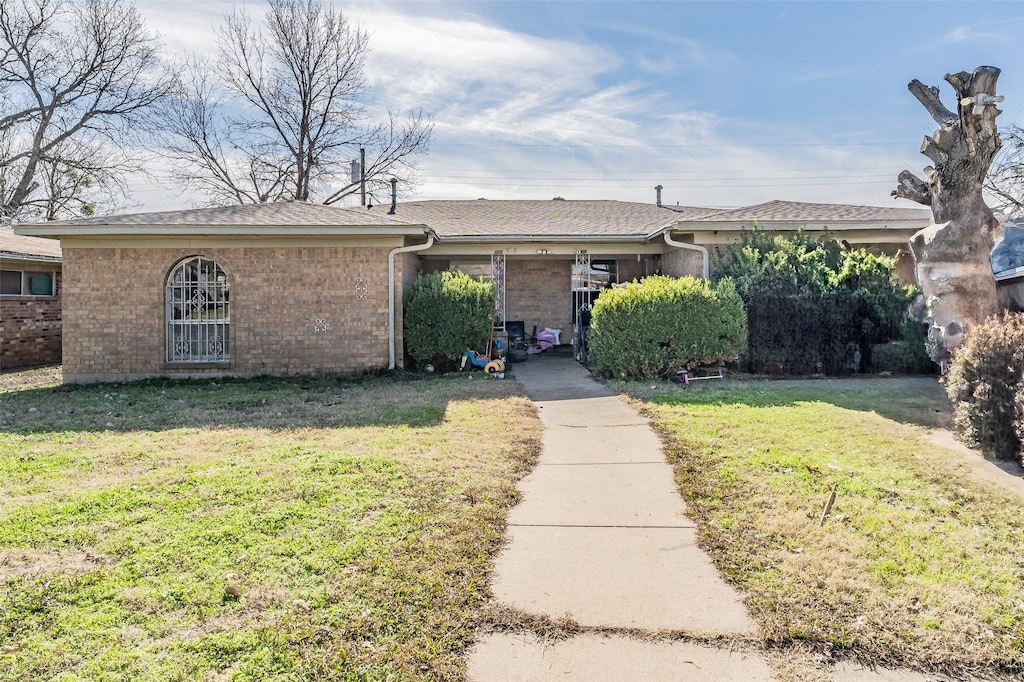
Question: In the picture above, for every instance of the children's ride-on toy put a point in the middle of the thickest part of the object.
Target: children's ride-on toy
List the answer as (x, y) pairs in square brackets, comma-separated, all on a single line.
[(493, 366)]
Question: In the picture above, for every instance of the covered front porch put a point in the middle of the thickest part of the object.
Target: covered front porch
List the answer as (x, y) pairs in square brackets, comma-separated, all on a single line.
[(549, 284)]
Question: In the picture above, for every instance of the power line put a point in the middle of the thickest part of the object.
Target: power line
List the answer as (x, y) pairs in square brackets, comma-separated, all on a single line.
[(734, 185), (663, 146), (879, 169), (663, 178)]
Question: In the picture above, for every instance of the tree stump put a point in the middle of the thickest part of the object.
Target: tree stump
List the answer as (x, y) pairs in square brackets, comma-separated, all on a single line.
[(952, 254)]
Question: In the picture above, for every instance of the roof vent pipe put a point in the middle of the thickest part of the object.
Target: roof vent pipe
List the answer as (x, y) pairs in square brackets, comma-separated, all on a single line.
[(394, 195), (658, 190)]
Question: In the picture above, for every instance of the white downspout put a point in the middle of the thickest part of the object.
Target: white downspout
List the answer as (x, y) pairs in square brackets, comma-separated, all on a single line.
[(705, 266), (391, 291)]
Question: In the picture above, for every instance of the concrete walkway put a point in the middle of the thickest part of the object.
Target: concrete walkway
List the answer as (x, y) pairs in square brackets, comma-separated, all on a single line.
[(601, 536)]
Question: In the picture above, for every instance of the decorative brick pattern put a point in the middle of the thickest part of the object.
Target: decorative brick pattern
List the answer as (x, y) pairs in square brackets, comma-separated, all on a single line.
[(30, 329), (114, 310)]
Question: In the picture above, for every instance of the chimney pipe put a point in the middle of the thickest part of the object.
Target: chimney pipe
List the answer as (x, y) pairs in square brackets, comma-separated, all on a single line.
[(658, 190), (394, 195)]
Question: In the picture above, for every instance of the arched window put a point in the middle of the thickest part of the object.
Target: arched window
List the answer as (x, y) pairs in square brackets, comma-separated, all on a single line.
[(198, 312)]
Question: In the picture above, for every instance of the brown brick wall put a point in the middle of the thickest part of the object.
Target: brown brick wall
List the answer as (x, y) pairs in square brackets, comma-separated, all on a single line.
[(114, 310), (538, 293), (676, 262), (30, 329)]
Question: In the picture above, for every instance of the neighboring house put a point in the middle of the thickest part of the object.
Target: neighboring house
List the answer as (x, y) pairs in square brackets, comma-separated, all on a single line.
[(1007, 260), (30, 309), (295, 288)]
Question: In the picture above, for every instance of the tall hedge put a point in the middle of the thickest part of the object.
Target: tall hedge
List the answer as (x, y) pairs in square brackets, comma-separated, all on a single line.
[(985, 383), (446, 313), (814, 305), (661, 324)]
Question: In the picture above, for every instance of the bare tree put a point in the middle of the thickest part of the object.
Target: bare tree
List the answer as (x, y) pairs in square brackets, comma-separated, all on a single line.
[(952, 254), (78, 79), (283, 111), (1005, 181)]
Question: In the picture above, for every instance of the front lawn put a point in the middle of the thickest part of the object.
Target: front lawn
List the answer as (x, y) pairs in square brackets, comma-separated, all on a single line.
[(916, 564), (266, 529)]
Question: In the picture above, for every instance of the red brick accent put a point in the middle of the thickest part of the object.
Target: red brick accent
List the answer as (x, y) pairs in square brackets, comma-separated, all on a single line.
[(114, 310), (30, 329)]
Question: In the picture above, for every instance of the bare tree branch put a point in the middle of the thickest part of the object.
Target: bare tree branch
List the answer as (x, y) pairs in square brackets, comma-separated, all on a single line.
[(284, 111), (75, 75), (1005, 182), (928, 96), (913, 188)]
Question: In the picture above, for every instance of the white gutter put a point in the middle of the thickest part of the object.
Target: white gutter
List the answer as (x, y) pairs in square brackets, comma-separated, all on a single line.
[(391, 291), (706, 266)]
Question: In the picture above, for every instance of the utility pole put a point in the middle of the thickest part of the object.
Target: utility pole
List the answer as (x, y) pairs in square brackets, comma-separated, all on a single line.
[(362, 176)]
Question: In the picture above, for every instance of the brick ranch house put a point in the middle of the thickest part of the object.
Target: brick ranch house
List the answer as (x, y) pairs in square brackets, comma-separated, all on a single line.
[(30, 307), (297, 288)]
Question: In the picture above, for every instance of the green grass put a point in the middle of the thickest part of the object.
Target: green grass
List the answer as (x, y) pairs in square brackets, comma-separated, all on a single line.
[(917, 563), (355, 519)]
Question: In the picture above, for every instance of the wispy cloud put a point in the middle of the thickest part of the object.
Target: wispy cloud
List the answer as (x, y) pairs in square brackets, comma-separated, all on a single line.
[(966, 34), (522, 116)]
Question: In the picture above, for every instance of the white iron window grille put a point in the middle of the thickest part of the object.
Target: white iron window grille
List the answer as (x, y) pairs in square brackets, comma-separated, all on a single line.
[(198, 312)]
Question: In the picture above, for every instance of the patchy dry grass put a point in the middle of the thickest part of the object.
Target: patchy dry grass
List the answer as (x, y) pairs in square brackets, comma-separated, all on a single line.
[(268, 529), (917, 563), (36, 377)]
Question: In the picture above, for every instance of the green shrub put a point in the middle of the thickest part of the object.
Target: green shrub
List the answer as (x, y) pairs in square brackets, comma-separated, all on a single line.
[(806, 333), (813, 305), (906, 356), (660, 325), (986, 386), (446, 313)]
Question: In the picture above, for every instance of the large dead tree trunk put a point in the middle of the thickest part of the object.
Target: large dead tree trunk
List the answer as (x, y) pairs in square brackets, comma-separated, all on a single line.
[(952, 254)]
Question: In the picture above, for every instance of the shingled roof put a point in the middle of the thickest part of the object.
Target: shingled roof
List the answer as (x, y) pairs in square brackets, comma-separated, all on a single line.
[(519, 218), (27, 248), (282, 219), (283, 213), (800, 212)]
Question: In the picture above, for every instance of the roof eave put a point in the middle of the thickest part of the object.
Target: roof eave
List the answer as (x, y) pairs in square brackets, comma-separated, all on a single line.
[(61, 231), (830, 225), (14, 255), (632, 238)]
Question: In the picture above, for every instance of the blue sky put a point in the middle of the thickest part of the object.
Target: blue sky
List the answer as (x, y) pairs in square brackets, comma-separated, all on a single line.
[(722, 103)]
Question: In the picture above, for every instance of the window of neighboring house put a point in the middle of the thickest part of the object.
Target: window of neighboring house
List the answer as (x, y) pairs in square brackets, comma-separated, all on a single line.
[(18, 283), (198, 312), (10, 282)]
